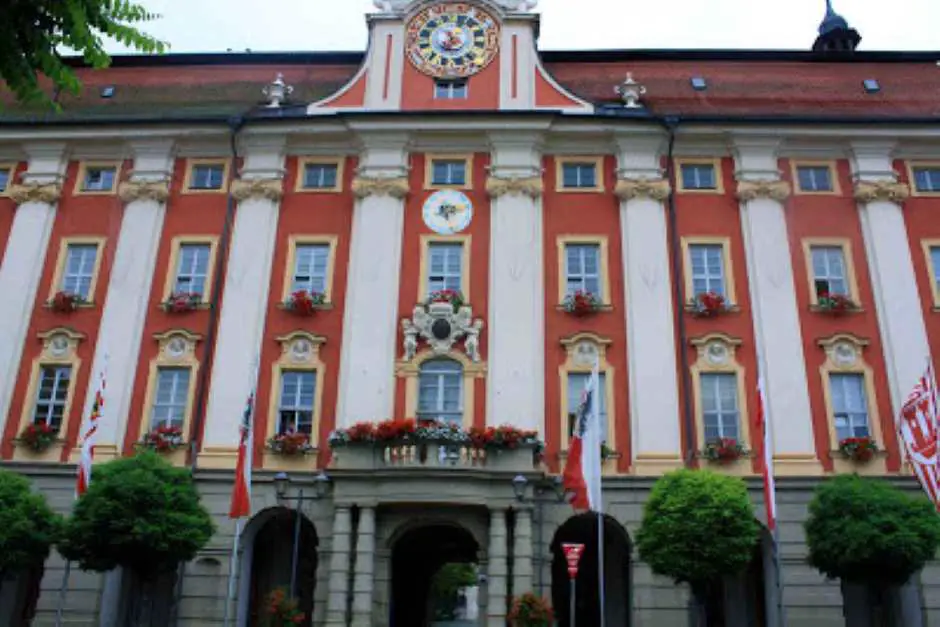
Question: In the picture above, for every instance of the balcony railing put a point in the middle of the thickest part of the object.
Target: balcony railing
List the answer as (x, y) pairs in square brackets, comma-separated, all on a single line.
[(433, 455)]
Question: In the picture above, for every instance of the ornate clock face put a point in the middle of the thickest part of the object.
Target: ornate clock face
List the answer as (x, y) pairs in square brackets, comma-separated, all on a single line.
[(447, 212), (452, 40)]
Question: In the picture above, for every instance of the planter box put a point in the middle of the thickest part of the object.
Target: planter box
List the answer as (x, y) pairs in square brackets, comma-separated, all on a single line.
[(355, 457), (520, 459)]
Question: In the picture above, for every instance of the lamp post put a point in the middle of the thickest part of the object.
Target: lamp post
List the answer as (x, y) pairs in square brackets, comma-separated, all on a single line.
[(321, 485), (544, 490)]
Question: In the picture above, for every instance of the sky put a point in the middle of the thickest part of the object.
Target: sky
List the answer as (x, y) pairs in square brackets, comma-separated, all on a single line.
[(321, 25)]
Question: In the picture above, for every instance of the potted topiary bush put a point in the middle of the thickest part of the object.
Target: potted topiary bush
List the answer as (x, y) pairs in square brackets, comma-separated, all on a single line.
[(698, 527)]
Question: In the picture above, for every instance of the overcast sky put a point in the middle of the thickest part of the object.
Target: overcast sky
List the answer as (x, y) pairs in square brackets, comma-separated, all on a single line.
[(314, 25)]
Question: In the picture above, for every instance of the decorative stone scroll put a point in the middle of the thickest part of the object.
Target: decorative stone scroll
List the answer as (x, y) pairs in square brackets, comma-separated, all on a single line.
[(48, 193), (394, 186), (497, 186), (752, 190), (265, 189), (130, 191), (656, 189), (872, 191), (442, 327)]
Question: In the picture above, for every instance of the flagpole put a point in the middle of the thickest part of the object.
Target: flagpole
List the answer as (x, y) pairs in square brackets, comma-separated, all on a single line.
[(231, 575), (600, 567), (778, 584), (63, 589)]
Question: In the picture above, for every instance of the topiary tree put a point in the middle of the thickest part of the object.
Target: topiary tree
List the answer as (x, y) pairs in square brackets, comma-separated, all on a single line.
[(28, 527), (698, 527)]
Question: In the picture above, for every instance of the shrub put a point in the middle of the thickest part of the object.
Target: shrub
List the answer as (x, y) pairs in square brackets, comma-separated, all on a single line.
[(867, 531), (28, 527)]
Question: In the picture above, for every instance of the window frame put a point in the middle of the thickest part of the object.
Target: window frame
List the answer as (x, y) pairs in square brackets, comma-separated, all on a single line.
[(293, 242), (575, 364), (851, 280), (597, 161), (172, 265), (463, 391), (715, 162), (830, 164), (303, 162), (429, 160), (410, 371), (933, 270), (425, 263), (563, 241), (62, 259), (279, 391), (10, 168), (912, 181), (191, 163), (726, 259), (188, 391), (84, 166), (450, 89)]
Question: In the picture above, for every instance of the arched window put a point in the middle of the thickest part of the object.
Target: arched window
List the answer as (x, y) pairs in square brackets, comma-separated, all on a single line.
[(440, 391)]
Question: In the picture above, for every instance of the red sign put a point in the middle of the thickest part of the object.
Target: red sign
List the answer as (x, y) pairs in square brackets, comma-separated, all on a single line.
[(573, 555)]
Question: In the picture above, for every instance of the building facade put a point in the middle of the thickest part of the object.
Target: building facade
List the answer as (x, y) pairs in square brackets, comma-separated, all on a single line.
[(186, 198)]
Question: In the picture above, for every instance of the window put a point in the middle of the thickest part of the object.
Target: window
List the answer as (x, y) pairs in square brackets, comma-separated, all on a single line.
[(450, 90), (707, 267), (698, 176), (52, 394), (927, 179), (720, 414), (448, 172), (98, 179), (814, 178), (829, 275), (311, 263), (5, 174), (171, 398), (80, 263), (576, 383), (440, 391), (445, 263), (935, 264), (321, 176), (295, 408), (849, 405), (583, 269), (206, 176), (579, 175), (192, 269)]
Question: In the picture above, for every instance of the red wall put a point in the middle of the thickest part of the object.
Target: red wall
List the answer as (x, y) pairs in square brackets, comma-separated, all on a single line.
[(417, 90), (8, 210)]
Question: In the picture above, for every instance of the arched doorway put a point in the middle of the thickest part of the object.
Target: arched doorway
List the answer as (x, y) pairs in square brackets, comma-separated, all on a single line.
[(271, 558), (582, 529), (19, 594), (418, 555)]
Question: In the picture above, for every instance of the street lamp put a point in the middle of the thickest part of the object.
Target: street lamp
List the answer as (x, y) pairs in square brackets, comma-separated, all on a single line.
[(544, 490), (321, 485)]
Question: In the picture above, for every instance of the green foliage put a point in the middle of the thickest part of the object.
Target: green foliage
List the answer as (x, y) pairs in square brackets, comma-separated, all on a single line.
[(27, 526), (140, 513), (446, 583), (867, 531), (34, 33), (697, 526)]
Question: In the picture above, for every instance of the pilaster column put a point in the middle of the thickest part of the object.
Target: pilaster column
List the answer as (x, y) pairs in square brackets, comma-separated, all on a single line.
[(364, 580), (338, 577), (775, 314), (651, 345), (496, 575), (125, 308), (522, 554), (22, 264), (245, 300), (370, 315), (894, 284), (516, 374)]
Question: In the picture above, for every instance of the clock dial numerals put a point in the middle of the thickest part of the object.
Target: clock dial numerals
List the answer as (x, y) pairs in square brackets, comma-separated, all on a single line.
[(452, 40)]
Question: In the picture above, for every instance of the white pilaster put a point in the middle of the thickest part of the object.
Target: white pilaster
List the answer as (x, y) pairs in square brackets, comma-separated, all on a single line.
[(651, 344), (125, 304), (497, 570), (386, 63), (522, 553), (516, 375), (775, 314), (894, 284), (25, 253), (338, 581), (370, 317), (364, 579), (245, 296)]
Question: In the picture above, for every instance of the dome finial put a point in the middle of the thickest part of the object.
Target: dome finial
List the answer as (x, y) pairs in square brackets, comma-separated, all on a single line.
[(835, 35)]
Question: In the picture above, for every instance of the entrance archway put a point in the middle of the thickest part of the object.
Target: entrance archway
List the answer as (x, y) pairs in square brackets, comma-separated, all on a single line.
[(417, 555), (583, 529)]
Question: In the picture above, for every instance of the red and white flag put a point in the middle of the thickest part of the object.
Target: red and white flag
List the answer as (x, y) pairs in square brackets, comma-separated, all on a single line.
[(767, 468), (919, 425), (582, 476), (241, 492), (87, 457)]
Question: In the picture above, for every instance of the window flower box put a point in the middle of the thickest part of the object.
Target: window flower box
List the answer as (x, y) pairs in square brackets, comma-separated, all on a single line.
[(304, 303), (452, 297), (291, 443), (581, 303), (65, 302), (835, 304), (861, 450), (708, 305), (723, 450), (38, 436), (181, 302), (163, 439)]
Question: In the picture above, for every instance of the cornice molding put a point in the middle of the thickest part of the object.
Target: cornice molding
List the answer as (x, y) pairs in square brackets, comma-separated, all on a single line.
[(890, 191), (131, 191), (265, 189), (765, 188), (48, 193), (514, 186), (394, 186), (656, 189)]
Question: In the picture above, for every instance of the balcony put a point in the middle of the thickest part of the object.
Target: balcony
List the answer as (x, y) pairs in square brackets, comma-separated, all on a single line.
[(434, 455)]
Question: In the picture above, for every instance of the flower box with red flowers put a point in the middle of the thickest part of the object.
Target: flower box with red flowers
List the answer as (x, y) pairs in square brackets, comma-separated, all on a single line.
[(835, 304), (291, 443), (65, 302), (723, 450), (581, 303), (530, 610), (281, 611), (38, 436), (861, 449), (163, 439), (181, 302), (454, 297), (708, 304), (304, 303)]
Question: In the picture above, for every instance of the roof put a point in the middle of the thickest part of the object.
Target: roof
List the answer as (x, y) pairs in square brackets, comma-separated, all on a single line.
[(740, 83)]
